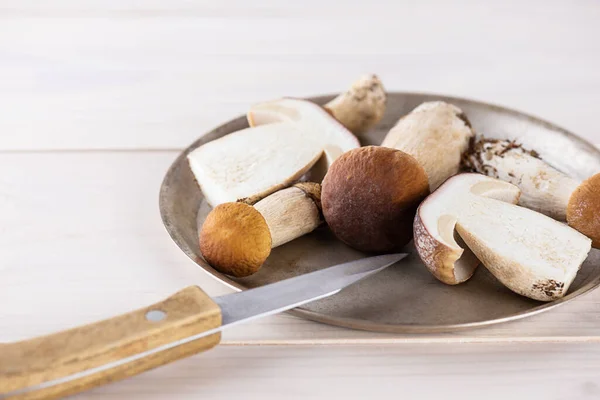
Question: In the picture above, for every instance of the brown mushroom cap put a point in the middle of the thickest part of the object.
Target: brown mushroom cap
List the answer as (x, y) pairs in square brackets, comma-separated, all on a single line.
[(235, 239), (370, 196), (583, 210)]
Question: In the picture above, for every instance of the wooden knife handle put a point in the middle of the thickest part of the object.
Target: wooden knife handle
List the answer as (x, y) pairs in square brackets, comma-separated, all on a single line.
[(32, 362)]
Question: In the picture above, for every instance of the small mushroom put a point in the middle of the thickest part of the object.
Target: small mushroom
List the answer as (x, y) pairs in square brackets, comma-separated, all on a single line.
[(543, 188), (436, 134), (530, 253), (370, 196), (236, 238)]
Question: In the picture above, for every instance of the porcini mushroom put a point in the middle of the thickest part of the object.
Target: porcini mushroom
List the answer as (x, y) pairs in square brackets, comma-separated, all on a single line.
[(358, 109), (436, 134), (528, 252), (370, 196), (236, 238), (252, 163), (314, 121), (543, 188)]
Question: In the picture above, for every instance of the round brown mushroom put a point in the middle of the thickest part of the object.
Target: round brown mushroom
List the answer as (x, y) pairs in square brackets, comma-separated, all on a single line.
[(583, 210), (370, 196), (235, 239)]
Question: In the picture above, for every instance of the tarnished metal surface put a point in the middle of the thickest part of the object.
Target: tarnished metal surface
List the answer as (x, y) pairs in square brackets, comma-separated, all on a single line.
[(405, 298)]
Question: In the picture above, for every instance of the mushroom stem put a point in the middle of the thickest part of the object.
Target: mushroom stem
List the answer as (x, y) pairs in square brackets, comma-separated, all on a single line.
[(436, 134), (292, 212), (544, 189), (360, 107), (236, 238)]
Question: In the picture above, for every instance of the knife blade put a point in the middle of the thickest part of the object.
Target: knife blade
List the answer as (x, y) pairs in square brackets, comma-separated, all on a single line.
[(290, 293), (232, 309)]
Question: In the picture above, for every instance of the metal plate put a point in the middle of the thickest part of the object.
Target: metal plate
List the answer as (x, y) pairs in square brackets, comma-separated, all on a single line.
[(406, 297)]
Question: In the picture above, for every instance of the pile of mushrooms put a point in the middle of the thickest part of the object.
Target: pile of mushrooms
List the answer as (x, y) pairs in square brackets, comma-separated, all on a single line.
[(287, 138), (431, 180), (246, 175)]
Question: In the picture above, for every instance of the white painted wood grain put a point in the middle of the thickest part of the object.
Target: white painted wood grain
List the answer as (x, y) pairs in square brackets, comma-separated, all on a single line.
[(132, 75), (465, 372), (81, 240)]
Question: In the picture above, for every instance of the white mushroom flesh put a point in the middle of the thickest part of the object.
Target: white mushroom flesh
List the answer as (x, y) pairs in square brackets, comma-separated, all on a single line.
[(316, 124), (253, 163), (528, 252), (543, 188), (360, 107)]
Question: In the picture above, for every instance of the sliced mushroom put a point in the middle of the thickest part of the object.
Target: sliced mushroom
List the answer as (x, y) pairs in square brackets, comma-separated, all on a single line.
[(253, 163), (436, 134), (314, 121), (236, 238), (370, 196), (358, 109), (530, 253), (543, 188)]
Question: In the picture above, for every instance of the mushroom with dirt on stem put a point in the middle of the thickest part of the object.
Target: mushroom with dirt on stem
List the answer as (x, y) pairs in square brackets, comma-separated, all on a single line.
[(436, 133), (543, 188), (236, 238), (528, 252)]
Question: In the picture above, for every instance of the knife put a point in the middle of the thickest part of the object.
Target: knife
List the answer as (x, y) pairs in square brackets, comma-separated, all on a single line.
[(184, 324)]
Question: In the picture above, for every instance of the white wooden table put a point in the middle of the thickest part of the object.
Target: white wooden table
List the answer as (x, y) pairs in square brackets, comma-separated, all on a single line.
[(98, 97)]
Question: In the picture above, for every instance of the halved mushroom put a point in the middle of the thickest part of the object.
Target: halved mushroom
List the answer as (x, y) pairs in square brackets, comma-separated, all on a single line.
[(530, 253), (358, 109), (236, 238), (252, 163), (314, 121), (543, 188), (436, 134)]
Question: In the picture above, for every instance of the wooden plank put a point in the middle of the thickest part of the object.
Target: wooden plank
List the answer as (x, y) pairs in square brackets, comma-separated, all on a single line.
[(126, 75), (82, 231), (274, 8), (484, 371)]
